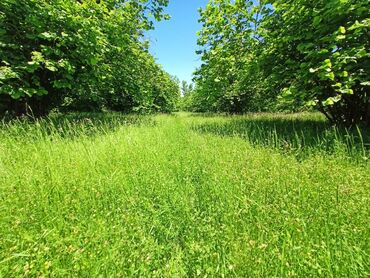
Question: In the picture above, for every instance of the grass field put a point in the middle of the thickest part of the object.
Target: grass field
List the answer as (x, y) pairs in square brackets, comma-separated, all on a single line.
[(184, 195)]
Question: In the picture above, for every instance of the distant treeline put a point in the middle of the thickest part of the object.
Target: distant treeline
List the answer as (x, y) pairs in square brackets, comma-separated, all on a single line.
[(84, 55), (285, 55)]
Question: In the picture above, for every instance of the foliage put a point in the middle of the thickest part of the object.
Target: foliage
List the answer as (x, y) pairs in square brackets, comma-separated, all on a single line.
[(264, 55), (186, 88), (186, 101), (181, 196), (81, 55)]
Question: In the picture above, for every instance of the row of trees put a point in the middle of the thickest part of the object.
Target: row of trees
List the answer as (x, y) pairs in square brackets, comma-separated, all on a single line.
[(285, 55), (81, 55)]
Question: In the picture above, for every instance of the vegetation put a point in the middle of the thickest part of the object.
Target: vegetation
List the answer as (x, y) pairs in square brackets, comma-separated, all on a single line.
[(80, 55), (285, 55), (183, 196), (139, 194)]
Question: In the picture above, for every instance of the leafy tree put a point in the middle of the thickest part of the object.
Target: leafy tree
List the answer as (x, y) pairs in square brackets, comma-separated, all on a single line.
[(81, 55), (286, 54), (228, 49), (186, 88), (321, 55)]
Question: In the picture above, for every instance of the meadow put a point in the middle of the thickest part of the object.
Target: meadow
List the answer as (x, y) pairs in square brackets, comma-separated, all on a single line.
[(184, 195)]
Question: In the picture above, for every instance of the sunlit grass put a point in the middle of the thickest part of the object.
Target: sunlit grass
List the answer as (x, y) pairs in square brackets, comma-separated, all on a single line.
[(184, 196)]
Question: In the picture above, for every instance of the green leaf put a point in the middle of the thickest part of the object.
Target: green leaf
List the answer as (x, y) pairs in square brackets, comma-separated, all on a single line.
[(329, 75), (337, 85), (50, 65), (328, 63), (41, 92), (340, 37), (47, 35), (328, 102), (311, 103), (332, 100), (346, 91), (93, 61)]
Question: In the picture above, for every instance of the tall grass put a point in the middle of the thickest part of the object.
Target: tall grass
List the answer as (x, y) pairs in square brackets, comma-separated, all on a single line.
[(298, 134), (183, 196)]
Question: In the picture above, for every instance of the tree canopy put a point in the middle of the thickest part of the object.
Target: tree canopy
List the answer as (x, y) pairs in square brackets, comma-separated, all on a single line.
[(285, 55), (81, 55)]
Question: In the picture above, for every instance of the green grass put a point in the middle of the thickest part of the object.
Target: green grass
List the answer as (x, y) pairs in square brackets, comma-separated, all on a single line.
[(184, 196)]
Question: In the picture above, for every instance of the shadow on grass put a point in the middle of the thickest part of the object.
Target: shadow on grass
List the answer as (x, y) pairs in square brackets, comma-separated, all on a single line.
[(71, 126), (300, 136)]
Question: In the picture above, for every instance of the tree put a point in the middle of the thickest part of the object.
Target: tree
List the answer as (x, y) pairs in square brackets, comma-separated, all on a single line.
[(286, 54), (81, 55), (321, 55), (186, 88)]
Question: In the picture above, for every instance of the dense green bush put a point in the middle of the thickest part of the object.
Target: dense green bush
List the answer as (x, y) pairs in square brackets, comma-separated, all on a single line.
[(287, 54), (80, 55)]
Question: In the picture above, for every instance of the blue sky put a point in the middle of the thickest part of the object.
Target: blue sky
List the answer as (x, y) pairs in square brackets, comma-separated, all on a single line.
[(173, 42)]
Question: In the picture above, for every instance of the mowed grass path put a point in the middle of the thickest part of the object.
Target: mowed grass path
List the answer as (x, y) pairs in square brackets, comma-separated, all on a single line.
[(183, 196)]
